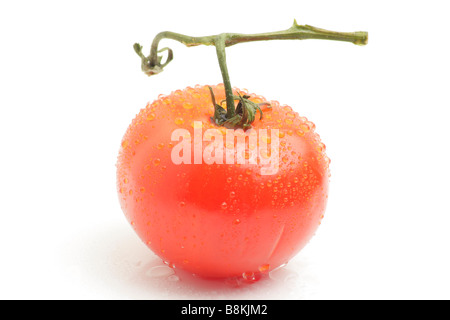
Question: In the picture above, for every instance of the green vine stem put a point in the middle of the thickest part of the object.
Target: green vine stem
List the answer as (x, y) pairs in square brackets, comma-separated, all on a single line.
[(152, 64)]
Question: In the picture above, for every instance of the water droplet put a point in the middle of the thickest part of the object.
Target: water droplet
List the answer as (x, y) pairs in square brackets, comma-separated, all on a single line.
[(264, 153), (264, 268), (288, 121), (229, 179), (287, 108), (236, 221), (251, 276), (322, 146), (156, 162), (151, 117), (124, 144), (311, 125), (179, 121), (266, 139), (160, 146), (188, 105), (305, 127), (232, 194), (301, 133), (160, 272), (224, 205), (290, 114), (170, 264)]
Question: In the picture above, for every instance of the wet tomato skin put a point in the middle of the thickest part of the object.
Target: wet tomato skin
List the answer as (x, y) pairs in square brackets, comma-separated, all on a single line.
[(220, 220)]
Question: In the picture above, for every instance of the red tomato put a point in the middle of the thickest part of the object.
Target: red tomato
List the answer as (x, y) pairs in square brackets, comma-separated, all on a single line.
[(221, 220)]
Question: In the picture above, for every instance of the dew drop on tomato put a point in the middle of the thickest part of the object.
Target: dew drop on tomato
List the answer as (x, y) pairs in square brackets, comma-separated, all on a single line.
[(124, 144), (264, 268), (251, 277), (188, 105), (179, 121)]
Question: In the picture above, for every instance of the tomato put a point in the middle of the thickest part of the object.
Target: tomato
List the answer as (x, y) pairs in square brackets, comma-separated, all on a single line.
[(221, 220)]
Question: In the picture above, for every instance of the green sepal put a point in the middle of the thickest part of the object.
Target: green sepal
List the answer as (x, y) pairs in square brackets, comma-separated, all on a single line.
[(245, 113)]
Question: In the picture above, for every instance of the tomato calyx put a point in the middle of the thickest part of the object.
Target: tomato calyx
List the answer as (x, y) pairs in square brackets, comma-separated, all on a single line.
[(245, 112)]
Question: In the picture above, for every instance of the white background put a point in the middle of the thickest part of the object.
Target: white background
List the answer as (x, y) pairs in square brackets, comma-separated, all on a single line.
[(70, 83)]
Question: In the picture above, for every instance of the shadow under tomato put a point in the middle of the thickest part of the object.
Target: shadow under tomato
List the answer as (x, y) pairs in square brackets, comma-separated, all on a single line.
[(114, 263)]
